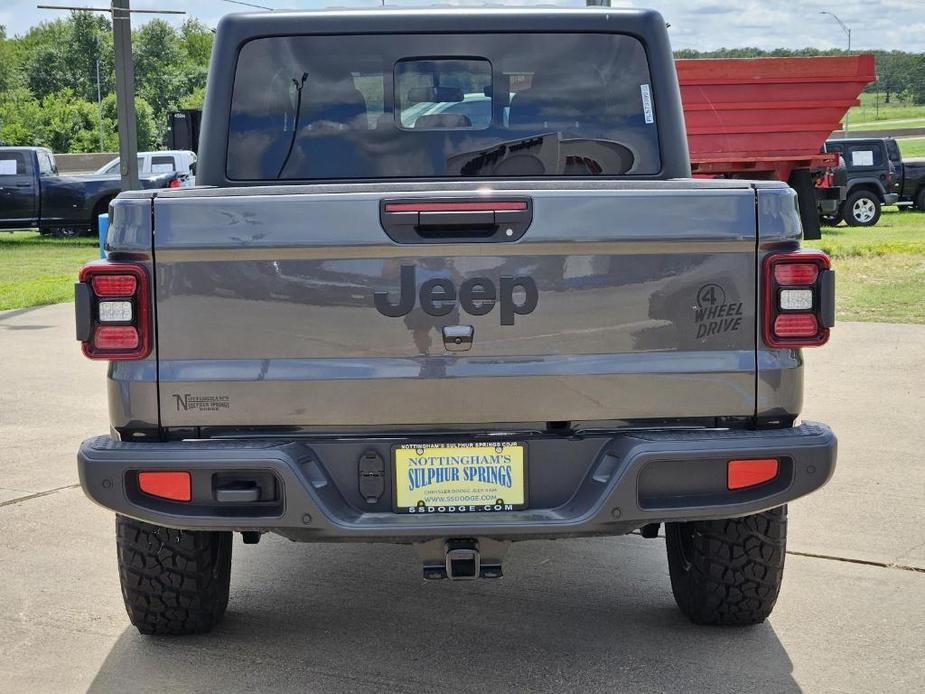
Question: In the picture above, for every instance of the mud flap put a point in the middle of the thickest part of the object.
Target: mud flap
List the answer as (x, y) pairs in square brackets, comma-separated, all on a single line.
[(801, 181)]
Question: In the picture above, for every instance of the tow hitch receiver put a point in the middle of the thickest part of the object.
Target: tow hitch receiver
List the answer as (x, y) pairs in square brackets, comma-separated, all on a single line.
[(462, 559)]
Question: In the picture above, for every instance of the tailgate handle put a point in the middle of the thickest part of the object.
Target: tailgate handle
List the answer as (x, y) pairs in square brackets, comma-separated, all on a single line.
[(475, 222), (456, 220)]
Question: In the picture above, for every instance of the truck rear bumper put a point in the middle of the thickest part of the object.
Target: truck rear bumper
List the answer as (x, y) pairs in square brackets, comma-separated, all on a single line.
[(579, 485)]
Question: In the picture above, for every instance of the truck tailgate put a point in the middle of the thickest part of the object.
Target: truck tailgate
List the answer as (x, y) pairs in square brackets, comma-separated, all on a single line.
[(267, 311)]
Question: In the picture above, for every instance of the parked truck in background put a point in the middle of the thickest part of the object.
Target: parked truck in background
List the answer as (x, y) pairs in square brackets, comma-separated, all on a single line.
[(875, 176), (909, 174), (34, 195), (181, 162), (368, 326)]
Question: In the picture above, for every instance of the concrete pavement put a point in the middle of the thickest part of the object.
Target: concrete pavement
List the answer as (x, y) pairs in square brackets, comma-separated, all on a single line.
[(586, 615)]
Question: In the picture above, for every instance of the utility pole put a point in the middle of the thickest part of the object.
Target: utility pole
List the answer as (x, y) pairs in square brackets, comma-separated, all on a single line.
[(99, 94), (847, 30), (125, 82), (125, 94)]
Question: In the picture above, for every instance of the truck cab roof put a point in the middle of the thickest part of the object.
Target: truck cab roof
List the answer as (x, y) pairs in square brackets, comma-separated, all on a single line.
[(7, 148), (856, 140)]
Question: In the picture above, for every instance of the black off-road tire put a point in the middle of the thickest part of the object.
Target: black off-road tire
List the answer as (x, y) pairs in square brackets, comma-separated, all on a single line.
[(728, 572), (920, 200), (861, 209), (174, 582)]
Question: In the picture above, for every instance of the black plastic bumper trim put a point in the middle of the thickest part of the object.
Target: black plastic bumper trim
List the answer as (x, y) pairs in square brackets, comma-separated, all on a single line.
[(613, 498)]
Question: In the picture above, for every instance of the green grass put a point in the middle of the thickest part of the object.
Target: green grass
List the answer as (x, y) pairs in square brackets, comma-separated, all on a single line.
[(868, 117), (912, 146), (886, 127), (37, 270), (895, 233), (882, 289), (880, 270)]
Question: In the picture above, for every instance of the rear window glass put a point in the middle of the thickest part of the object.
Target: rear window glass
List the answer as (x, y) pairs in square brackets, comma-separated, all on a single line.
[(440, 94), (865, 155), (162, 164), (12, 164), (412, 106)]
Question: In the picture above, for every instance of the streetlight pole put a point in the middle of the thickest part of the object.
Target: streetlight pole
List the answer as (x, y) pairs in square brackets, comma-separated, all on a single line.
[(847, 30)]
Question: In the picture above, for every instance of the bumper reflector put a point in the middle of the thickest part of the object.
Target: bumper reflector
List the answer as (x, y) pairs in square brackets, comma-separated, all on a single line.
[(748, 473), (166, 485)]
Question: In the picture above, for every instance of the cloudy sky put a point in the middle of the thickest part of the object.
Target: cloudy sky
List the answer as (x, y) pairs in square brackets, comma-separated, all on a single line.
[(701, 24)]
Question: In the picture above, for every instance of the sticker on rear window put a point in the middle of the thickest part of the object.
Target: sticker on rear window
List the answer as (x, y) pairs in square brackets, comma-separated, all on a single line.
[(647, 103)]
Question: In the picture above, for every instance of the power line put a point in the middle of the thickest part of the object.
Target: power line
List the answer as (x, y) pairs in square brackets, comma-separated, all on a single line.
[(249, 4), (106, 9)]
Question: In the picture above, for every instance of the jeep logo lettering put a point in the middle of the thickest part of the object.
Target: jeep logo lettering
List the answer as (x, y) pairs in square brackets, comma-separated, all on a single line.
[(477, 296)]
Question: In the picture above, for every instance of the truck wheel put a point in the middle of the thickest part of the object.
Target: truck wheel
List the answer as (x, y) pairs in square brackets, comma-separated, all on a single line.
[(861, 209), (174, 582), (920, 200), (66, 232), (728, 572)]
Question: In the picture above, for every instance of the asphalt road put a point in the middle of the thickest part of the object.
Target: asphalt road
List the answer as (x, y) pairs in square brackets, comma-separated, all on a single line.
[(586, 615)]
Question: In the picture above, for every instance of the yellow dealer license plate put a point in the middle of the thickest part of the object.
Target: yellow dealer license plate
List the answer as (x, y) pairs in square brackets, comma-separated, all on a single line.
[(460, 477)]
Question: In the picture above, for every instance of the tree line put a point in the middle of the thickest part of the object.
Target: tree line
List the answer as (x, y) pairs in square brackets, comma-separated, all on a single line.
[(52, 76), (900, 74), (57, 82)]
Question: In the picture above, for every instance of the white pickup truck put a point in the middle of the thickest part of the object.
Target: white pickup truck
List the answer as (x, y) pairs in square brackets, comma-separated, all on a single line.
[(183, 162)]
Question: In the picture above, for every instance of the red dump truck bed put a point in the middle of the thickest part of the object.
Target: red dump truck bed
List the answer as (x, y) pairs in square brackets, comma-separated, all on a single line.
[(767, 116)]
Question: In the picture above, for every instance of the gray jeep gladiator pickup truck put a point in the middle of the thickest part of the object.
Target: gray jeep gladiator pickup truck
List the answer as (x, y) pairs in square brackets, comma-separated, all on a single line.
[(447, 281)]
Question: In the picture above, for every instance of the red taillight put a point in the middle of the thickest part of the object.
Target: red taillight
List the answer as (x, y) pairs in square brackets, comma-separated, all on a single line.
[(748, 473), (116, 337), (799, 299), (796, 325), (123, 330), (175, 183), (796, 273), (166, 485), (114, 285)]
